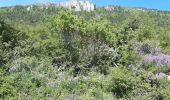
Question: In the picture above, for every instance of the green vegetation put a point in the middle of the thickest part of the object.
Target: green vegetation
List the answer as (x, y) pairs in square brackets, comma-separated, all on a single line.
[(104, 54)]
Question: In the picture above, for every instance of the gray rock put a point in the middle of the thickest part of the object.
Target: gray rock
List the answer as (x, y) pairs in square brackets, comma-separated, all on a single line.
[(160, 75), (78, 5), (12, 69)]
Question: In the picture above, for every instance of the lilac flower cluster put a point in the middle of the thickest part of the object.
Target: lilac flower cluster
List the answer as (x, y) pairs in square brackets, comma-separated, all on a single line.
[(152, 54), (159, 59)]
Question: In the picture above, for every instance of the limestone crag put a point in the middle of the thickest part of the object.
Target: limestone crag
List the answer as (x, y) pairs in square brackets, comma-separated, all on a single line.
[(77, 5)]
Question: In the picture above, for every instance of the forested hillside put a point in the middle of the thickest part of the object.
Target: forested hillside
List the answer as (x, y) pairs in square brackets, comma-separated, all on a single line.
[(110, 53)]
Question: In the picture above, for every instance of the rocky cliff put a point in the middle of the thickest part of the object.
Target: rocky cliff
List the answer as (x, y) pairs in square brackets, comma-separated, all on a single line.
[(77, 5)]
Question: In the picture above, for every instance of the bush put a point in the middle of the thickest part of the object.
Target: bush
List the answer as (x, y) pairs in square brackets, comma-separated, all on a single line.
[(164, 89), (121, 82)]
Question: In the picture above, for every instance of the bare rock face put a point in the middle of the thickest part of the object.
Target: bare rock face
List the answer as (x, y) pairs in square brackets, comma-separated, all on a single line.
[(78, 5)]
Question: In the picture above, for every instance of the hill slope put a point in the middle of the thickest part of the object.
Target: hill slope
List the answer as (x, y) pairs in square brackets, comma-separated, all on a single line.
[(109, 53)]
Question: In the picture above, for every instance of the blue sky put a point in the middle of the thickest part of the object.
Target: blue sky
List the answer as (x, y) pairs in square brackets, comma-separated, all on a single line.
[(156, 4)]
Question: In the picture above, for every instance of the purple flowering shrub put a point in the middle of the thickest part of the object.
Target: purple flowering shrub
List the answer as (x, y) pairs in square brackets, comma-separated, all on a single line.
[(158, 59), (153, 55)]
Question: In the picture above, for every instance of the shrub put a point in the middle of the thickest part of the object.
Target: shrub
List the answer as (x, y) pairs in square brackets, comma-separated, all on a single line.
[(121, 82), (164, 89)]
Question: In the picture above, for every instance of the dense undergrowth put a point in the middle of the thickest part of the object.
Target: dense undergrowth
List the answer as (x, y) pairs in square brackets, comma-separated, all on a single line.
[(105, 54)]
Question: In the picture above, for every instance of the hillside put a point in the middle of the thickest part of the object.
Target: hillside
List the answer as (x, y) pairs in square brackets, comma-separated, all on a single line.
[(50, 52)]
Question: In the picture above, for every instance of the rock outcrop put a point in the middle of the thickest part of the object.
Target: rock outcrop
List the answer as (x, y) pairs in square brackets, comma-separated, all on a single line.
[(78, 5)]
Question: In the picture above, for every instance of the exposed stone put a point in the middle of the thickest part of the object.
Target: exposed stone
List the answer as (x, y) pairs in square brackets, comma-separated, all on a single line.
[(160, 75), (12, 69), (109, 8), (77, 5)]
